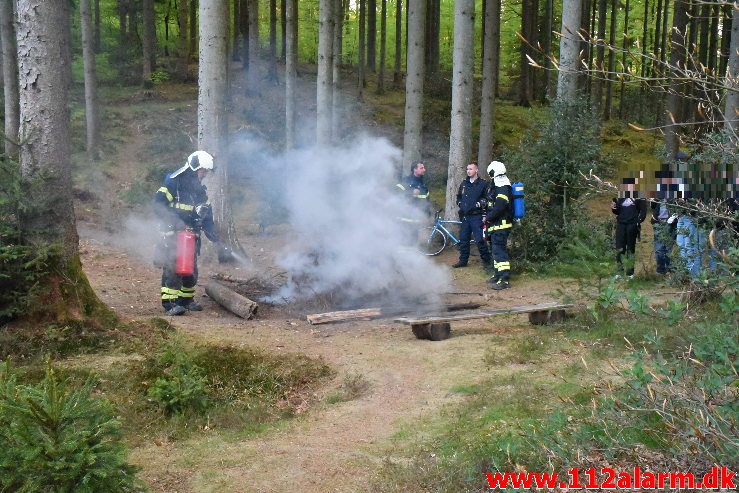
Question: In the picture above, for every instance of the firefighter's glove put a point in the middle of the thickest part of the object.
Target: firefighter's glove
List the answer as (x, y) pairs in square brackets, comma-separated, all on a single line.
[(672, 219), (225, 254), (460, 214)]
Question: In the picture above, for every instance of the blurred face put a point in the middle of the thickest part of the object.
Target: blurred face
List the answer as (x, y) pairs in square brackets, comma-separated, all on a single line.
[(202, 173), (420, 169), (472, 170)]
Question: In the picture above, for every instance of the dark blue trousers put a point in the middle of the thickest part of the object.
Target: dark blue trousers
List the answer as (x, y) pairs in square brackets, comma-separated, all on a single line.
[(472, 228)]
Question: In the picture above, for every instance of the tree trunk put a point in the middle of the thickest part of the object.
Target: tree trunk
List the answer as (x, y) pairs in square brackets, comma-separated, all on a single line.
[(324, 97), (148, 41), (372, 35), (272, 72), (283, 28), (183, 55), (231, 300), (550, 89), (383, 45), (44, 64), (10, 77), (677, 87), (193, 27), (244, 22), (460, 131), (290, 73), (415, 69), (336, 99), (252, 74), (433, 26), (528, 31), (599, 72), (235, 41), (731, 112), (624, 51), (569, 50), (92, 112), (212, 115), (361, 48), (491, 37), (611, 62), (727, 26), (98, 44), (398, 41)]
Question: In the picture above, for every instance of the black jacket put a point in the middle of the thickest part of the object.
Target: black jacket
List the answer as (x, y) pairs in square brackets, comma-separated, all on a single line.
[(471, 196), (630, 211), (176, 204), (500, 207)]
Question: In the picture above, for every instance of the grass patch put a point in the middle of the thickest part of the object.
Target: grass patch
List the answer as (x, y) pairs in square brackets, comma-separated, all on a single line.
[(352, 387), (197, 386)]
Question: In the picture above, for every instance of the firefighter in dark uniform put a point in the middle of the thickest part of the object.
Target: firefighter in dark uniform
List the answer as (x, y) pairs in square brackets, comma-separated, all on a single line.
[(499, 221), (182, 204), (415, 190), (471, 202)]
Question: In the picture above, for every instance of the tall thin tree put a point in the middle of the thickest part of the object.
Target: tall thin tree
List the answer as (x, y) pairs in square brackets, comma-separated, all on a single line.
[(415, 68), (148, 42), (291, 55), (569, 50), (10, 77), (398, 41), (92, 110), (491, 43), (212, 115), (324, 98), (460, 131), (731, 112)]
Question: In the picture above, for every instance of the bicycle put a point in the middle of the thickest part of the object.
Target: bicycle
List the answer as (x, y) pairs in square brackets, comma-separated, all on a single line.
[(433, 239)]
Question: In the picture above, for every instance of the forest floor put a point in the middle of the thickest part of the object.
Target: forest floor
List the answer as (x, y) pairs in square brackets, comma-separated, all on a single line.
[(329, 447)]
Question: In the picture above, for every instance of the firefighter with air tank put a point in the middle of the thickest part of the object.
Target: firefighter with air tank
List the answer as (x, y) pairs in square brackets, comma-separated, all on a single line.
[(499, 221)]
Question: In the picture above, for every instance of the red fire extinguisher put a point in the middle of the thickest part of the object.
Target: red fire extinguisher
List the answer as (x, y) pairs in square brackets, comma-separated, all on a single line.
[(185, 264)]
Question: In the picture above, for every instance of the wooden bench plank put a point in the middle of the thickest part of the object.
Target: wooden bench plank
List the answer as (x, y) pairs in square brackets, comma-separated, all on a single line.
[(482, 313)]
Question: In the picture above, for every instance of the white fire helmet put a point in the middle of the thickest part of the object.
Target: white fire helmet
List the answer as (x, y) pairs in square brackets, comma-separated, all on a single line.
[(496, 168), (200, 159)]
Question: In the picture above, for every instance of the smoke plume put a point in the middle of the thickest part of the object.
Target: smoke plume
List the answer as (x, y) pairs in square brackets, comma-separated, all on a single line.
[(344, 212)]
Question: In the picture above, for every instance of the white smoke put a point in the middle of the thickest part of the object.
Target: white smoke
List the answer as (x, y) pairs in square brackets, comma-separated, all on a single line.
[(346, 234)]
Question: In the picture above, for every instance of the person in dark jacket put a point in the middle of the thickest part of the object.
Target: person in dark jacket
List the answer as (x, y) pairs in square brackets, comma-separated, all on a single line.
[(181, 203), (664, 227), (499, 221), (630, 213), (414, 189), (471, 203)]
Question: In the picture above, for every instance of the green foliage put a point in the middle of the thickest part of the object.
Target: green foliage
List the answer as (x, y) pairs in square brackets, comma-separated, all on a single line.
[(21, 266), (57, 439), (183, 386), (189, 379), (551, 161)]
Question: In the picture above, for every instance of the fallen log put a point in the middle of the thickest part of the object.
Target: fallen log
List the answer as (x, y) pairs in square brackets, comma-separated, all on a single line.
[(323, 318), (231, 300)]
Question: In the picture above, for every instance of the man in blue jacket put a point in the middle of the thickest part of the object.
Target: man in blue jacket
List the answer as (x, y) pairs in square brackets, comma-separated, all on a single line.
[(471, 203)]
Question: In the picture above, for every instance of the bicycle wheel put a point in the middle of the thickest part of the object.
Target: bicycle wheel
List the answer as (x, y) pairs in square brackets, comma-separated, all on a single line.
[(431, 241)]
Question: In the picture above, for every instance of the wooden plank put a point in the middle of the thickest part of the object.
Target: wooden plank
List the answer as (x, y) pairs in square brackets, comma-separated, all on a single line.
[(482, 313), (340, 316), (323, 318)]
